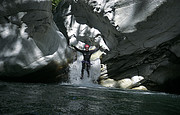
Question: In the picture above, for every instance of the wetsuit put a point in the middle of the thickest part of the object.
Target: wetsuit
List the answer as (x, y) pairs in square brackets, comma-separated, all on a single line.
[(86, 62)]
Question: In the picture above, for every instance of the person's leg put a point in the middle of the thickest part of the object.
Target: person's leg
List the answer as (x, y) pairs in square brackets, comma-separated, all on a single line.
[(87, 68), (82, 70)]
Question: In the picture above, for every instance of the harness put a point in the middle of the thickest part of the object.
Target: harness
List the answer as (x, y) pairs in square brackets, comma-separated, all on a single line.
[(86, 62)]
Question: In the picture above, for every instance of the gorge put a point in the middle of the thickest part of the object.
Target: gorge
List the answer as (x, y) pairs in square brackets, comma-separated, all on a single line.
[(139, 37)]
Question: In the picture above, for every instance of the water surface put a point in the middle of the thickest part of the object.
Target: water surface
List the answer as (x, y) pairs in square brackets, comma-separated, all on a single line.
[(58, 99)]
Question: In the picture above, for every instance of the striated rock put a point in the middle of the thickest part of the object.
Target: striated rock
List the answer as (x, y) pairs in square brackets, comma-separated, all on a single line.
[(175, 49), (108, 83), (30, 40)]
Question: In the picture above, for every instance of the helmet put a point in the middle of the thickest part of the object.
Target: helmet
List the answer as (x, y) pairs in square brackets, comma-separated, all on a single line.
[(86, 46)]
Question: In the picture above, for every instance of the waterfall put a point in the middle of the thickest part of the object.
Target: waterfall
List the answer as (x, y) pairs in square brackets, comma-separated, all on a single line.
[(75, 71)]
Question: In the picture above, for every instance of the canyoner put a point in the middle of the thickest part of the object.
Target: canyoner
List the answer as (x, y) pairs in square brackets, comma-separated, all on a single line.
[(86, 64)]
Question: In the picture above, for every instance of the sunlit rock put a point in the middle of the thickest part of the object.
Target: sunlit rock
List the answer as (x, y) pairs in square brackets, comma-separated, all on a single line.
[(108, 83), (104, 76), (136, 79), (29, 38), (76, 27), (96, 55), (140, 88), (73, 41), (124, 83)]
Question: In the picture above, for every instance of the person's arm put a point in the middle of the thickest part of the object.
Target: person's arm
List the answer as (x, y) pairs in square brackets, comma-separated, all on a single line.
[(77, 49)]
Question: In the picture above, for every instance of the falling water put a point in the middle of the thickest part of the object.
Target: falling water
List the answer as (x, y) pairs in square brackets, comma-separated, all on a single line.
[(75, 72)]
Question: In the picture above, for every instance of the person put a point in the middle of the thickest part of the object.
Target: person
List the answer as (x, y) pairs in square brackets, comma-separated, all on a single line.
[(86, 61)]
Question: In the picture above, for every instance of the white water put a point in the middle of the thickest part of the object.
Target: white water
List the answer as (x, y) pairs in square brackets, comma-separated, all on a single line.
[(75, 72)]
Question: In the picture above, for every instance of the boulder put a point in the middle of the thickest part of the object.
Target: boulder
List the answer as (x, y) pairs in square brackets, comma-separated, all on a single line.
[(124, 83), (108, 83), (136, 79), (140, 88)]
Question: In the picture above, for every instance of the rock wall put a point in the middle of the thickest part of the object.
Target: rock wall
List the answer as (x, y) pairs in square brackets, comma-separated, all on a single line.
[(142, 35), (29, 39)]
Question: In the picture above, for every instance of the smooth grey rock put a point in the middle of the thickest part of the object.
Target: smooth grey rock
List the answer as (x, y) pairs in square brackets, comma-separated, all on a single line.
[(29, 38)]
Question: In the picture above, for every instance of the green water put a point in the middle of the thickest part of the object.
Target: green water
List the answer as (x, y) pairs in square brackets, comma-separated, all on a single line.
[(57, 99)]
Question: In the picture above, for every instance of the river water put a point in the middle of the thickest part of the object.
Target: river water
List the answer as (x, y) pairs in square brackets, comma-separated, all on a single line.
[(67, 99), (83, 97)]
